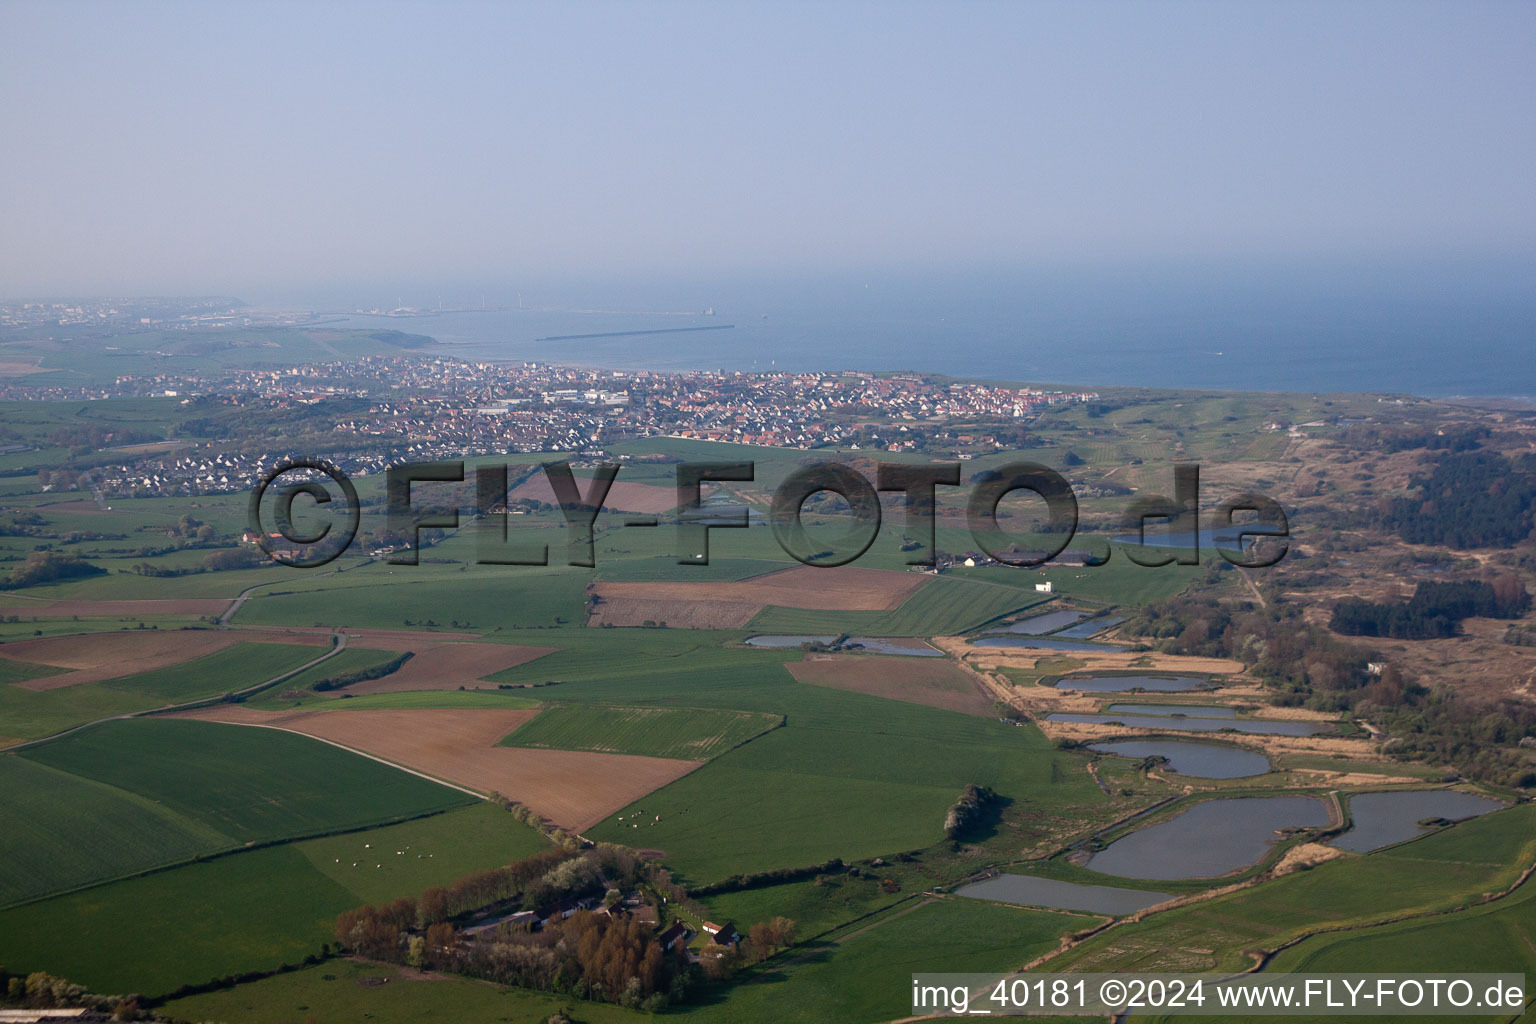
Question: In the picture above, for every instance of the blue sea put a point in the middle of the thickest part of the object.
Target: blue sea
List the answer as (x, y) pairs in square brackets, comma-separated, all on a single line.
[(1421, 331)]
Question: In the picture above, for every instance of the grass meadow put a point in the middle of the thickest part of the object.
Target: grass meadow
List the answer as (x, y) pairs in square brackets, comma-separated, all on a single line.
[(865, 975), (691, 734), (339, 990), (29, 714), (946, 605), (848, 776), (1441, 871), (252, 785), (249, 910)]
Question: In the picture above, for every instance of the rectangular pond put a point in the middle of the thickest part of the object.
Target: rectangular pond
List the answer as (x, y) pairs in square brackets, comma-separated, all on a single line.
[(796, 640), (1228, 538), (1170, 723), (1198, 760), (1092, 627), (1129, 684), (1381, 819), (1037, 624), (1030, 891), (1044, 643), (1210, 839), (1173, 710), (906, 646)]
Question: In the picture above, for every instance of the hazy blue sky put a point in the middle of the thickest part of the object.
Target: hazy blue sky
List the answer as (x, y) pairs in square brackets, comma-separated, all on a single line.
[(236, 148)]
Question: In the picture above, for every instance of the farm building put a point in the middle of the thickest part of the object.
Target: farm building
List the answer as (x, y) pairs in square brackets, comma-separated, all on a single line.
[(722, 934)]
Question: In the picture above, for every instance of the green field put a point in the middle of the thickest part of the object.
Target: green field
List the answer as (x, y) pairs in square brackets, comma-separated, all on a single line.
[(866, 975), (28, 714), (338, 991), (152, 934), (434, 699), (1442, 871), (691, 734), (21, 671), (946, 605), (250, 910), (650, 662), (848, 776), (481, 599), (817, 907), (415, 854), (133, 795), (59, 831), (253, 785), (1499, 937), (352, 659)]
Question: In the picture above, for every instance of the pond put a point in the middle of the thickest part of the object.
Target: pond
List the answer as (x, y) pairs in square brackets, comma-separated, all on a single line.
[(1174, 710), (1199, 760), (868, 644), (1037, 624), (1092, 627), (1381, 819), (1228, 538), (787, 641), (1125, 684), (1043, 642), (1213, 838), (1030, 891), (893, 645), (1253, 726)]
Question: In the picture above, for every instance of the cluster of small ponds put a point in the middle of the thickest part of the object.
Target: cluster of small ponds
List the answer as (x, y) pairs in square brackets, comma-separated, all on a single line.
[(1221, 836), (1172, 717), (1067, 632), (1208, 839)]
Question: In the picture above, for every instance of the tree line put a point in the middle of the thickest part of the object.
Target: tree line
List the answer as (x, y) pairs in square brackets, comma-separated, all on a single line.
[(362, 675), (1434, 610)]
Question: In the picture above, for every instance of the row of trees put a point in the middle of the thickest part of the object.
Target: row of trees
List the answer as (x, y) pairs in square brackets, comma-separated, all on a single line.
[(51, 567), (544, 878), (42, 991), (778, 876), (345, 679), (1434, 610)]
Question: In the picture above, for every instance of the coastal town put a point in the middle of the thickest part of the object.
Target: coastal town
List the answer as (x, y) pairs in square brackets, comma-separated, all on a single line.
[(376, 410)]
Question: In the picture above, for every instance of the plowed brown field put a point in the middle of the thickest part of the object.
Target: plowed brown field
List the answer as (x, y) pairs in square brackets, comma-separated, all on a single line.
[(571, 788), (99, 656), (450, 666)]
